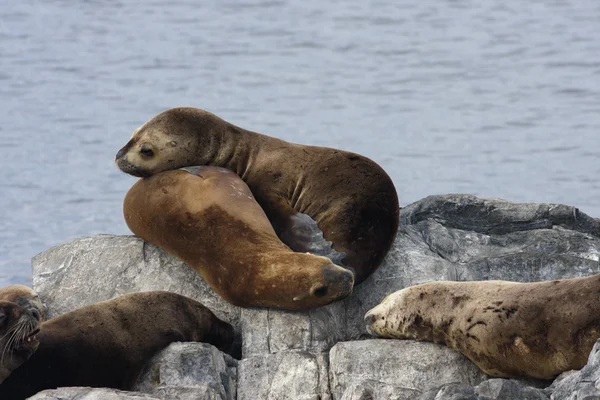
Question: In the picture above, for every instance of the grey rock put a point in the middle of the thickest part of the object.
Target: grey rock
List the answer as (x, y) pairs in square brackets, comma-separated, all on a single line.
[(190, 371), (284, 375), (404, 368), (271, 331), (285, 354), (451, 391), (508, 389), (492, 389), (579, 385), (86, 393)]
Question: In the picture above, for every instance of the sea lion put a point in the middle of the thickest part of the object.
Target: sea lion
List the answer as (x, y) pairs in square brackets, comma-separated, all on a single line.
[(350, 197), (107, 344), (508, 329), (207, 217), (21, 312)]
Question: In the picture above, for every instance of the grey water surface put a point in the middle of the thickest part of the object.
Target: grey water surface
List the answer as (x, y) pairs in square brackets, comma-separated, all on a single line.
[(491, 98)]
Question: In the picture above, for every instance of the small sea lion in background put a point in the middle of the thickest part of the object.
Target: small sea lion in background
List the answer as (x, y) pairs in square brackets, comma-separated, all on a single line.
[(21, 313), (351, 198), (107, 344), (508, 329), (207, 217)]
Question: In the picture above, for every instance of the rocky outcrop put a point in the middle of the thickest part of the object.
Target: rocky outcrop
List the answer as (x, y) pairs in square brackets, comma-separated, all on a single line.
[(287, 354), (190, 371), (493, 389), (399, 369)]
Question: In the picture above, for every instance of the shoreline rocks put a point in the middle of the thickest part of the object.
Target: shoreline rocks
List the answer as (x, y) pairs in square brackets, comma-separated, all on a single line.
[(304, 354)]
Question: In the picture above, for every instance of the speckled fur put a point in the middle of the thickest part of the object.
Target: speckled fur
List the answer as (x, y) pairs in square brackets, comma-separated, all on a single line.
[(508, 329)]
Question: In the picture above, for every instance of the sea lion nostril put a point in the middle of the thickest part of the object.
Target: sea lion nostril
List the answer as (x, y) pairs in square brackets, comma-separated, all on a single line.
[(35, 313), (321, 291)]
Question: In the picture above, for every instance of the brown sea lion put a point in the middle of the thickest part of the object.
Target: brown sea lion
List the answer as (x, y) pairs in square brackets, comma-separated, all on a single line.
[(350, 197), (107, 344), (207, 217), (508, 329)]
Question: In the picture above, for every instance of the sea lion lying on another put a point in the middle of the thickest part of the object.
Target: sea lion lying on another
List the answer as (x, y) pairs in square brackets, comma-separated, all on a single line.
[(207, 217), (508, 329), (107, 344), (350, 197)]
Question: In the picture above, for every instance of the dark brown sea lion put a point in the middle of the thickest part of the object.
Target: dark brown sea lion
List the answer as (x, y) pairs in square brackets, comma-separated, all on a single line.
[(108, 343), (508, 329), (207, 217), (350, 197)]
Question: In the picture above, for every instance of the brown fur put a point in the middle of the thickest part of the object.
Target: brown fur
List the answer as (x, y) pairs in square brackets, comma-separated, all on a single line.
[(351, 198), (107, 344), (508, 329), (21, 312), (210, 220)]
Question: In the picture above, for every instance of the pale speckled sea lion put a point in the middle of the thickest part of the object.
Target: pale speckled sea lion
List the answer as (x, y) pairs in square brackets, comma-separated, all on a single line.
[(107, 344), (21, 312), (207, 217), (508, 329), (350, 197)]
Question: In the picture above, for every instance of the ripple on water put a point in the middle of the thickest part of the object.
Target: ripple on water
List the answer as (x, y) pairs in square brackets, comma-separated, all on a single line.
[(492, 98)]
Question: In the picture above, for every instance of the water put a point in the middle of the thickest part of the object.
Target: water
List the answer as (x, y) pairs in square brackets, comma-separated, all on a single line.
[(496, 99)]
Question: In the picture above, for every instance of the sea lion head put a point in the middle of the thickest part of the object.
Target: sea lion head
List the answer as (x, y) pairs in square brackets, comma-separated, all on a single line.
[(315, 283), (25, 297), (168, 141), (18, 327), (384, 320)]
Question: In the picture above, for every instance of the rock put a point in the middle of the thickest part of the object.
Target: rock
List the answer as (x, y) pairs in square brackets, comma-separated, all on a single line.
[(579, 385), (285, 354), (190, 371), (86, 393), (492, 389), (284, 375), (403, 368), (451, 391)]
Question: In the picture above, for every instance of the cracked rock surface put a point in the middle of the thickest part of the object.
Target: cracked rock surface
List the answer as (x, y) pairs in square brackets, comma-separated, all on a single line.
[(319, 353)]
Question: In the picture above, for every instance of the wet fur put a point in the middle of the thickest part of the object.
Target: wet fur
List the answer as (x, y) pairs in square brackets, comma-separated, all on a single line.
[(352, 199), (508, 329)]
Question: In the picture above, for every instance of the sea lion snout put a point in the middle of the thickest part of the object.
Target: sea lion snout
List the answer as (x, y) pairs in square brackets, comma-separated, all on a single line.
[(336, 278), (370, 319)]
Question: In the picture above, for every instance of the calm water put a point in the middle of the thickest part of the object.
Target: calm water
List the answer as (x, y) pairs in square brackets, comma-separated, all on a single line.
[(496, 99)]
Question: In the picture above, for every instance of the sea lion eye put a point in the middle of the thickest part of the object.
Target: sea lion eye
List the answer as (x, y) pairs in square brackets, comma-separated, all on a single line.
[(321, 291), (146, 151), (2, 317)]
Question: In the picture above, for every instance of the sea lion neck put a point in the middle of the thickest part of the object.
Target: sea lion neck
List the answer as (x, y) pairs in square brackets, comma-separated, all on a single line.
[(230, 147)]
